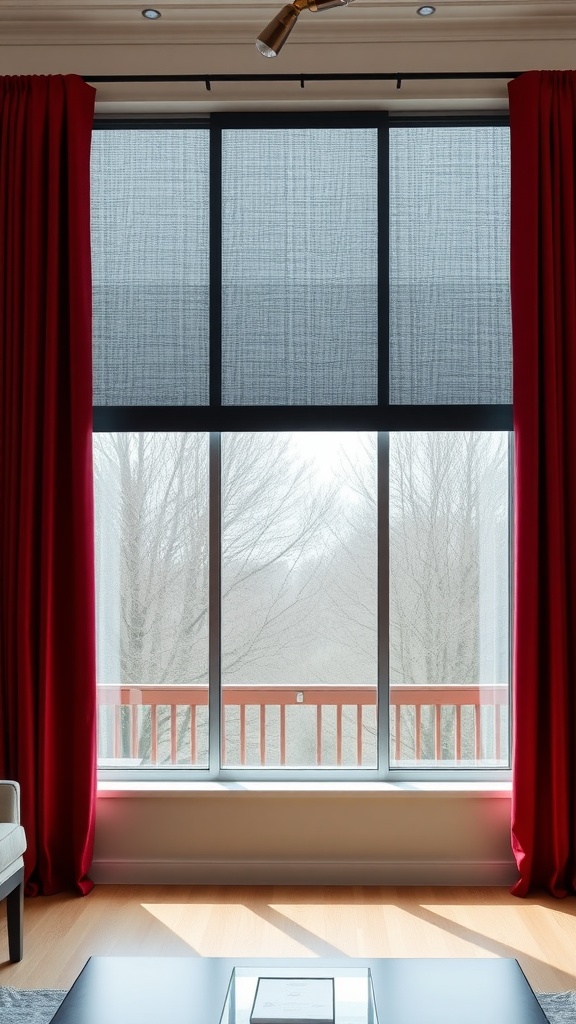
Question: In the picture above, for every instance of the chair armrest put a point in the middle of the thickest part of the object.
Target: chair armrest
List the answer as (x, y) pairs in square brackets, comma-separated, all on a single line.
[(9, 802)]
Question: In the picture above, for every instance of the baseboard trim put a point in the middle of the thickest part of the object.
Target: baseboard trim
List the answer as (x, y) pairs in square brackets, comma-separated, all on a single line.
[(253, 872)]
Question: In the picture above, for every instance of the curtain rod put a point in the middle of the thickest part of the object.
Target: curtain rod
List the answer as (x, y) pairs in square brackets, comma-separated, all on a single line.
[(367, 77)]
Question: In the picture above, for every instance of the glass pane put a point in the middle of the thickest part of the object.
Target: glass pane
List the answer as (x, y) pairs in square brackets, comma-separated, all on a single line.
[(350, 993), (449, 599), (150, 267), (450, 335), (151, 511), (299, 288), (299, 604)]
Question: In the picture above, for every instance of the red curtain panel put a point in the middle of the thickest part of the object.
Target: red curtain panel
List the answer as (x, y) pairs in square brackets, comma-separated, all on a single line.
[(47, 646), (543, 286)]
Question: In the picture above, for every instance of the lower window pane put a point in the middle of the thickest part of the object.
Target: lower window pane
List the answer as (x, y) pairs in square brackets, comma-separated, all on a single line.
[(449, 600), (299, 605), (151, 512)]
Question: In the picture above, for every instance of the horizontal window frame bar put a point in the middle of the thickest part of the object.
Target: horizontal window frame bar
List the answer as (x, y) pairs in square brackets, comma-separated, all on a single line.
[(117, 418), (103, 122), (284, 120), (404, 119), (345, 775)]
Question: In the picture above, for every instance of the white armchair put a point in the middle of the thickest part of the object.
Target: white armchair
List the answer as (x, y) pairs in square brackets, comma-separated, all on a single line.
[(12, 846)]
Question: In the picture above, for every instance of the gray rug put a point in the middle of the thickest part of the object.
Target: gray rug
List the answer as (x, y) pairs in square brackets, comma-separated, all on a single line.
[(29, 1006), (38, 1006)]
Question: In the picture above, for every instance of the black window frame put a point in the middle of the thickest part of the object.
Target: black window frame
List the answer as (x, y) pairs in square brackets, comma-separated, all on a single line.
[(382, 418)]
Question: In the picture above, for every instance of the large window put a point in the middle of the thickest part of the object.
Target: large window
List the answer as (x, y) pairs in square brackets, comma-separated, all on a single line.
[(301, 449)]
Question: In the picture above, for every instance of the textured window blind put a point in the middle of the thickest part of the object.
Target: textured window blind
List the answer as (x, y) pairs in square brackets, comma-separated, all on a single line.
[(299, 273), (450, 340), (150, 266)]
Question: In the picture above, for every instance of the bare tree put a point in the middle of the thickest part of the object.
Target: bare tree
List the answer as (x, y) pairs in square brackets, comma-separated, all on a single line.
[(447, 547), (152, 553), (299, 558)]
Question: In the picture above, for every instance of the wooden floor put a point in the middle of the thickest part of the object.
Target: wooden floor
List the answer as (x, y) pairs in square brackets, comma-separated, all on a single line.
[(61, 932)]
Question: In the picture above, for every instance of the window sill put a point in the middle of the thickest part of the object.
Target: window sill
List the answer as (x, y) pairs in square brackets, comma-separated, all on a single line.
[(118, 789)]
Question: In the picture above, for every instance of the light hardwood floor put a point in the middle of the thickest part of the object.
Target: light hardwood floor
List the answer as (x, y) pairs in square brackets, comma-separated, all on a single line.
[(61, 932)]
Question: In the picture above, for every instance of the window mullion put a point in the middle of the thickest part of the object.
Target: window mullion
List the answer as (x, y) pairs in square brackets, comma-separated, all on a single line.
[(214, 607), (383, 492), (215, 267)]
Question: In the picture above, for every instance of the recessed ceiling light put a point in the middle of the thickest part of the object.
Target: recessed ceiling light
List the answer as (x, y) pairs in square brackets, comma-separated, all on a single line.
[(151, 14), (425, 11)]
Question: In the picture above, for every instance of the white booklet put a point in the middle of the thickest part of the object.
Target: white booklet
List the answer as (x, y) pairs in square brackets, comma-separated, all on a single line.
[(293, 1001)]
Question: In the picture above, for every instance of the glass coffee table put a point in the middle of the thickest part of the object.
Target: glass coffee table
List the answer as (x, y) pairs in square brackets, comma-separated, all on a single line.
[(220, 990)]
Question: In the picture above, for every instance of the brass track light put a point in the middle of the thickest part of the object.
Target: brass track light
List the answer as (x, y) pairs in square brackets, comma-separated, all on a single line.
[(272, 38)]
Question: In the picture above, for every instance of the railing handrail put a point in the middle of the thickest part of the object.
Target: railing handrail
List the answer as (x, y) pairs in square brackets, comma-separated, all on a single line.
[(455, 694)]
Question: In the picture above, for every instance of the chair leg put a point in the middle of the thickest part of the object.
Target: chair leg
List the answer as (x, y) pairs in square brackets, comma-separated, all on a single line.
[(15, 915)]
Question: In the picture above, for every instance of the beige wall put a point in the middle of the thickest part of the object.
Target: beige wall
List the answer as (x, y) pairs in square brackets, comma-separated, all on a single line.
[(356, 835), (498, 51)]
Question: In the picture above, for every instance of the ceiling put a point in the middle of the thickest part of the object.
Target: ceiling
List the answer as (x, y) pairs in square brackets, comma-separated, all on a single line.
[(110, 37)]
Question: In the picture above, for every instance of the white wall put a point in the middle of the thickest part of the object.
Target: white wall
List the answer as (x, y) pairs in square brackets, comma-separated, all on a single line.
[(310, 835)]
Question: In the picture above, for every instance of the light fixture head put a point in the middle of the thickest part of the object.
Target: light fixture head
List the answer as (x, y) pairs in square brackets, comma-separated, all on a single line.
[(424, 12), (151, 14), (272, 38), (324, 5)]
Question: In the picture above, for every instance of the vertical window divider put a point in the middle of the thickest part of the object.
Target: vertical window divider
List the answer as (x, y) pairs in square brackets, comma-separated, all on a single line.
[(215, 709), (383, 707), (215, 712), (383, 453), (215, 221), (383, 270)]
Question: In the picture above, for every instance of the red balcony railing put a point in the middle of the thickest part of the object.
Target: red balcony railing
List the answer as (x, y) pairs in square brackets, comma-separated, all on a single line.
[(120, 726)]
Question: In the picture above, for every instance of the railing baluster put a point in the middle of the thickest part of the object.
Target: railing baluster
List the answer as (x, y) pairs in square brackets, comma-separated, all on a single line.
[(242, 734), (458, 736), (438, 731), (193, 747), (477, 743), (339, 734), (398, 747), (118, 731), (134, 730), (153, 734), (282, 734), (418, 732), (359, 752), (497, 733), (262, 710), (173, 734), (319, 734)]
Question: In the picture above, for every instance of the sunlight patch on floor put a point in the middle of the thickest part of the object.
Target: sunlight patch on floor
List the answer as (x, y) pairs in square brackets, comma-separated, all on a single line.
[(498, 930), (240, 931)]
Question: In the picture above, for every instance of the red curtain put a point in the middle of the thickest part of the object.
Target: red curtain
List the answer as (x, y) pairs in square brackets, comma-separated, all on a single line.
[(543, 284), (47, 660)]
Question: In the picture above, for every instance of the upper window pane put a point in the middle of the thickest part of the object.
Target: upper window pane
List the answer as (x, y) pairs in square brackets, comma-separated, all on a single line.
[(299, 272), (449, 243), (150, 266)]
